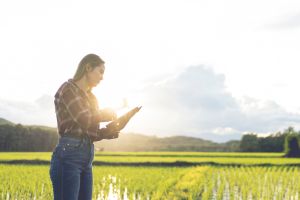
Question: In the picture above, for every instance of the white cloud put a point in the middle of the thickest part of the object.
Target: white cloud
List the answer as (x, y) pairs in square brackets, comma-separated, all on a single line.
[(197, 103), (40, 112), (225, 131), (287, 23)]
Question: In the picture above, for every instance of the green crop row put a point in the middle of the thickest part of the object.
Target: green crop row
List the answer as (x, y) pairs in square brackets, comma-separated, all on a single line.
[(276, 183), (205, 183), (168, 157)]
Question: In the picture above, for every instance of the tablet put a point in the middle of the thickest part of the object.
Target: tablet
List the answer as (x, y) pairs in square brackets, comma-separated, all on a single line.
[(119, 123)]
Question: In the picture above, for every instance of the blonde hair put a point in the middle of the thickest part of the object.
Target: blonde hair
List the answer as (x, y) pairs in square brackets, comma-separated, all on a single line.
[(92, 60)]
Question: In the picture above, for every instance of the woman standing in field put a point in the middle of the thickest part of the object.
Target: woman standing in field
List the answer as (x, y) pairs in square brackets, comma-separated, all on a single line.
[(78, 118)]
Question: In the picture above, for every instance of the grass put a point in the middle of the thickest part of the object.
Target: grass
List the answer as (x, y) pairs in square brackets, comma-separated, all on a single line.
[(167, 157), (214, 176)]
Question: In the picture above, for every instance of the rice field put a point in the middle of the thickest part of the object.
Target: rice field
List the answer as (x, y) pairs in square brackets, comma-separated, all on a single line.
[(163, 175)]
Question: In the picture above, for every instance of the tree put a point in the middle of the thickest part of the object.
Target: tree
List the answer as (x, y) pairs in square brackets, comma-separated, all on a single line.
[(292, 146), (249, 143), (27, 138)]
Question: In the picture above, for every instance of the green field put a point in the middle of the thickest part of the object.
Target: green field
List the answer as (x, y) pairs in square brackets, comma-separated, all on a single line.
[(163, 175)]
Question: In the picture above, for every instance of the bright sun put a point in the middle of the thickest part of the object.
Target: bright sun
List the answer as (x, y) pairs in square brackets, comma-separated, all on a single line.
[(116, 97)]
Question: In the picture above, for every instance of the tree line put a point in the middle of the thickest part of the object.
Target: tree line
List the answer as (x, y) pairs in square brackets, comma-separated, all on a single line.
[(27, 138), (287, 141)]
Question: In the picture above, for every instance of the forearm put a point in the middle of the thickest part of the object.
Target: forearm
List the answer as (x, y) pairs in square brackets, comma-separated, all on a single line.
[(103, 116)]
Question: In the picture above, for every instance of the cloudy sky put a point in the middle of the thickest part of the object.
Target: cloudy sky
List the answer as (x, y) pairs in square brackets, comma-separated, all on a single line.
[(209, 69)]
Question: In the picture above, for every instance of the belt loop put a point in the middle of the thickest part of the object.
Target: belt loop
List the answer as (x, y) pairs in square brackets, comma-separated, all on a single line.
[(87, 137), (81, 139)]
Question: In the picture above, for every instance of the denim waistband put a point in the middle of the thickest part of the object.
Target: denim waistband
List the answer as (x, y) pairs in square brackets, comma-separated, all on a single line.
[(69, 138), (78, 135)]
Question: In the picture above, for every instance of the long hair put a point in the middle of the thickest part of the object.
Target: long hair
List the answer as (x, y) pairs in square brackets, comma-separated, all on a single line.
[(92, 60)]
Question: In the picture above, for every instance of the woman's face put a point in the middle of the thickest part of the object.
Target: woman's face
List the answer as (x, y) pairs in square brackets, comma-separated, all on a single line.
[(95, 75)]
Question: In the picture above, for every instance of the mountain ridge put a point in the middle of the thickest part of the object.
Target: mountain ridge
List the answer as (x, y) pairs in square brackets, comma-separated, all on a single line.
[(5, 121)]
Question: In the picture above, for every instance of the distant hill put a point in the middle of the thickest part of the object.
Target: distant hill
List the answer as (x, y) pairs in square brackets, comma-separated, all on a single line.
[(139, 142), (5, 121), (44, 128), (18, 137)]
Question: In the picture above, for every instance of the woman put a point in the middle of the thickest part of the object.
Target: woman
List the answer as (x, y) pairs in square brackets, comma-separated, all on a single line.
[(78, 118)]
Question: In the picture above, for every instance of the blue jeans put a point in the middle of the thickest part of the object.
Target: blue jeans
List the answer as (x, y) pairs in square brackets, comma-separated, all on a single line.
[(71, 169)]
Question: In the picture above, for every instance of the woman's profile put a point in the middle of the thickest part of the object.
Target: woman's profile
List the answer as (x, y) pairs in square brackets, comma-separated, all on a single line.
[(78, 118)]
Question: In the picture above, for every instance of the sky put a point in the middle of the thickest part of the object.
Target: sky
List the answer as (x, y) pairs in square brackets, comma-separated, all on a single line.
[(209, 69)]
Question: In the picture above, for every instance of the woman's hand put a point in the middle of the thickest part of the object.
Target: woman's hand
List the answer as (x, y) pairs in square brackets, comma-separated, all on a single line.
[(105, 133), (107, 114)]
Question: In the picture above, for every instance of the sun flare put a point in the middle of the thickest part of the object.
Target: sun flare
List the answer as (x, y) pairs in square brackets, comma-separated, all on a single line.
[(121, 99)]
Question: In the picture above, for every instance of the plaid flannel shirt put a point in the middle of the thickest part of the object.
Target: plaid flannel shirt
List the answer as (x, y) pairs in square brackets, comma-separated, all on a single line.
[(77, 112)]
